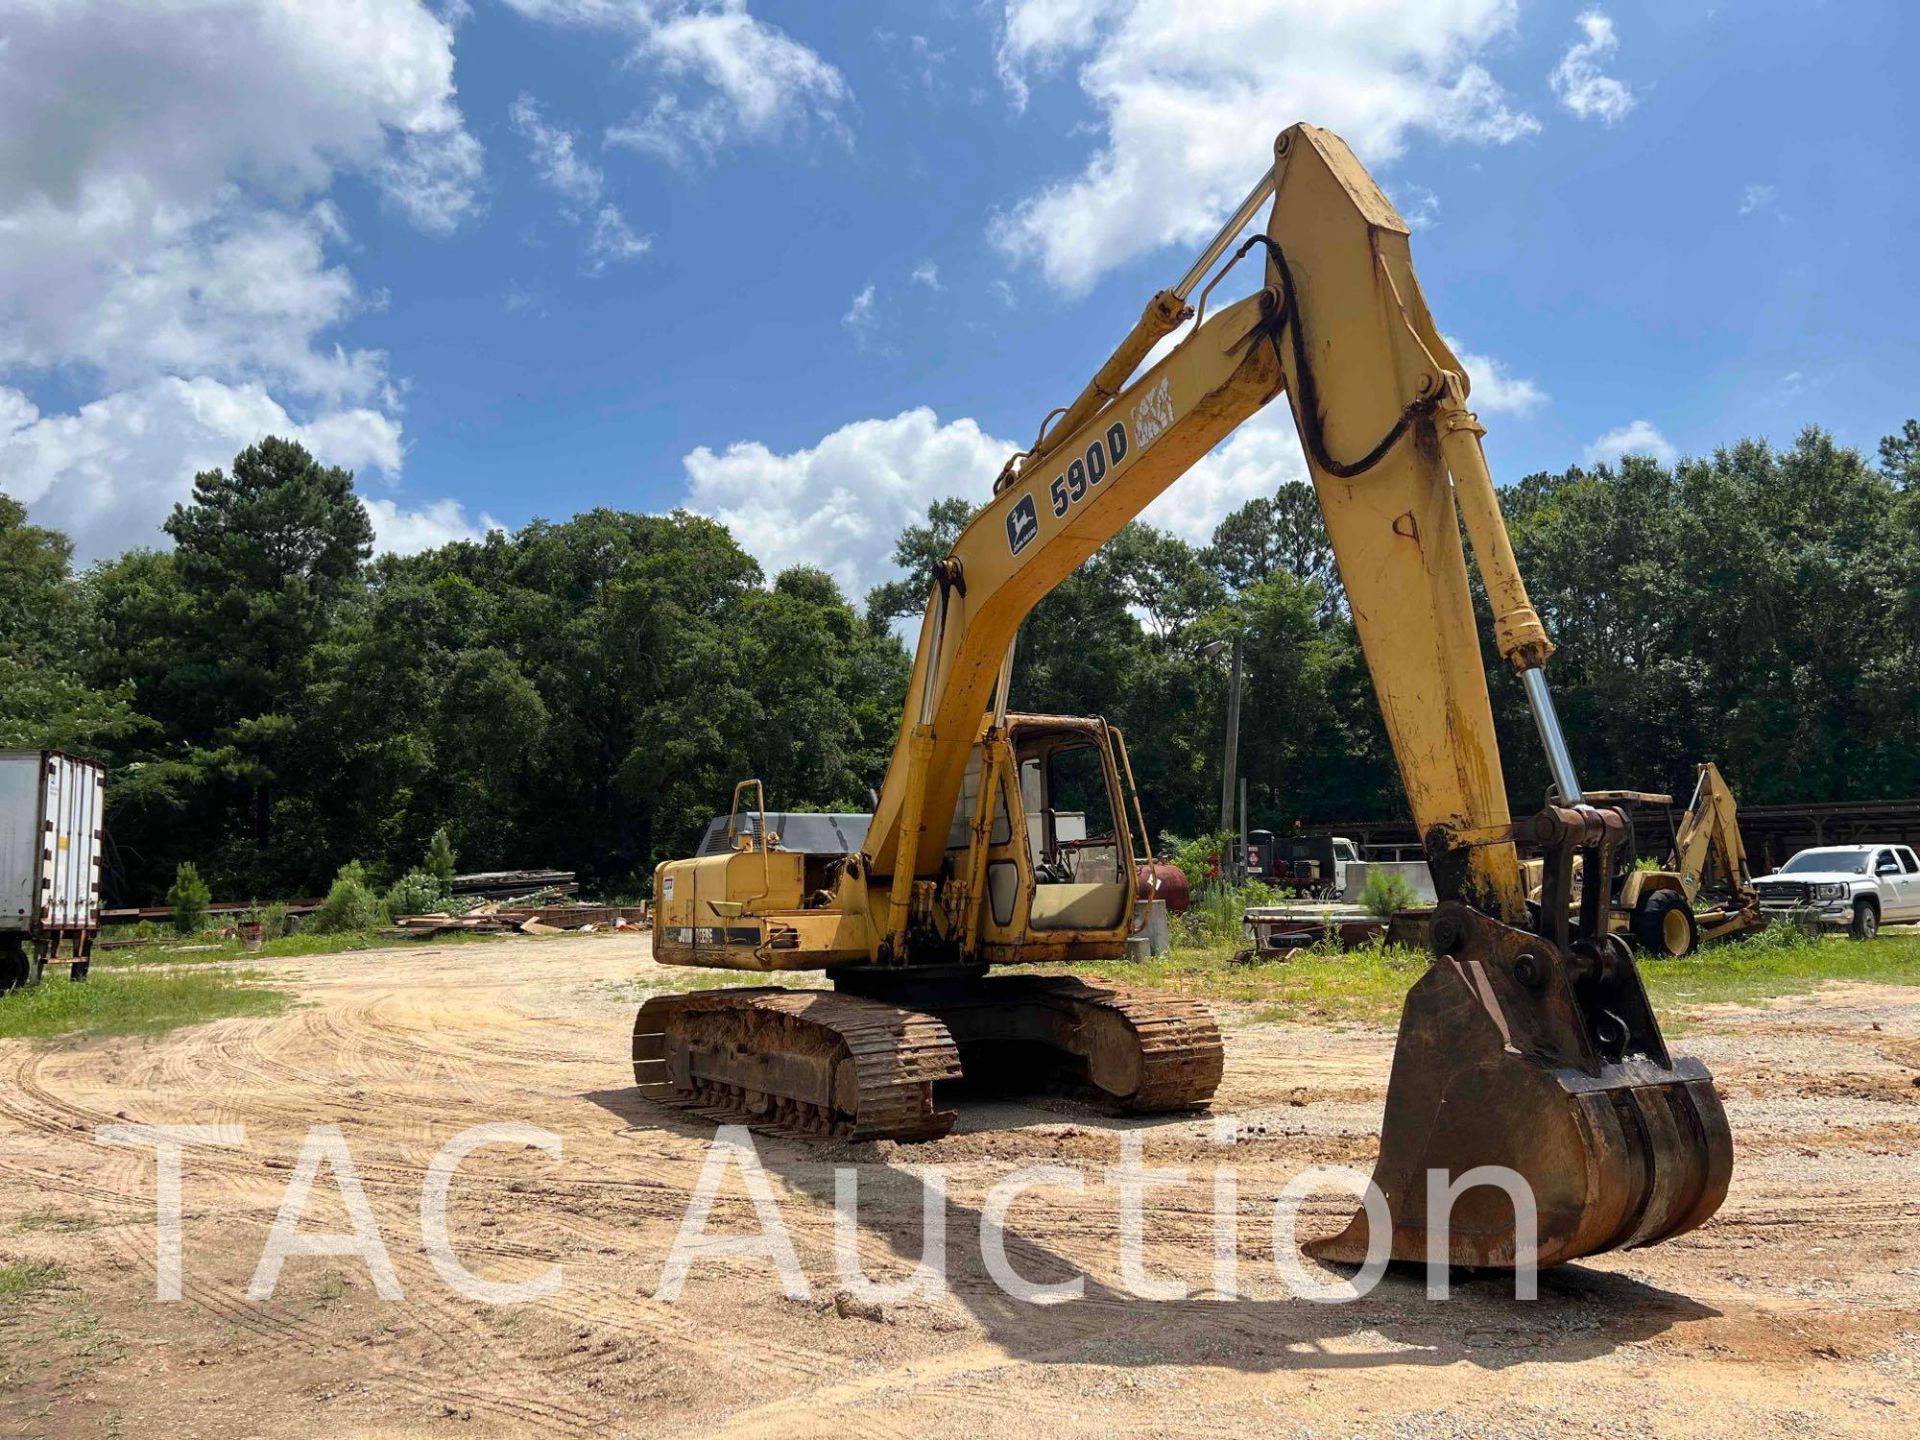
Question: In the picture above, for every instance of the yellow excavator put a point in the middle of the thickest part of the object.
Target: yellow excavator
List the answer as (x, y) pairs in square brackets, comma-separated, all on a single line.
[(1002, 838)]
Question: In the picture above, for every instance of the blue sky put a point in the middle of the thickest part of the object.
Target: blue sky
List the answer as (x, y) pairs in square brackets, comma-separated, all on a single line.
[(809, 267)]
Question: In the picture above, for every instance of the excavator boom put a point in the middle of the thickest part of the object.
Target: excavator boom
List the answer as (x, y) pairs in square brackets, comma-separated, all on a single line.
[(1529, 1045)]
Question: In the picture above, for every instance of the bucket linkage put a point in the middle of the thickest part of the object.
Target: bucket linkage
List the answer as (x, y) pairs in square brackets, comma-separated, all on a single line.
[(1539, 1053)]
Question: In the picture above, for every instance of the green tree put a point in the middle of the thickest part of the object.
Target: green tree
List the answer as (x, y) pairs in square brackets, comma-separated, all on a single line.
[(1753, 607), (1284, 532), (917, 550), (189, 897), (440, 860), (46, 697), (265, 554)]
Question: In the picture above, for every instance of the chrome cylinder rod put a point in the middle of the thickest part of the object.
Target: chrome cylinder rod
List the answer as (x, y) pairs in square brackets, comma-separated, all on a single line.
[(1228, 234), (1559, 761)]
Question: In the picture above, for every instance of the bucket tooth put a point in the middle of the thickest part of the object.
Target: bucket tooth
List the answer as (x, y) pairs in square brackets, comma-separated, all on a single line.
[(1550, 1064)]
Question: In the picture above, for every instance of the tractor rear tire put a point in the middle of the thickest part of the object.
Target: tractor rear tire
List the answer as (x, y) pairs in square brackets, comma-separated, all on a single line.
[(1664, 926)]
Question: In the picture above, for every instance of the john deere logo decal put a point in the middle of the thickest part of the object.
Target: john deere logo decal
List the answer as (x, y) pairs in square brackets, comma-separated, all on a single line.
[(1022, 525)]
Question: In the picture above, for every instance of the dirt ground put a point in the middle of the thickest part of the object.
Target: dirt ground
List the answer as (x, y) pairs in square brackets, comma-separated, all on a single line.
[(1796, 1311)]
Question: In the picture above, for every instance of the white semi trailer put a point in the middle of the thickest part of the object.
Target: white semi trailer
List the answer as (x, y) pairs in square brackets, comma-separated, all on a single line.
[(52, 832)]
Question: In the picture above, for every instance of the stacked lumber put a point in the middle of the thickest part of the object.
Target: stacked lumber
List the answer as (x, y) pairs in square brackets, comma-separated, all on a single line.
[(495, 918)]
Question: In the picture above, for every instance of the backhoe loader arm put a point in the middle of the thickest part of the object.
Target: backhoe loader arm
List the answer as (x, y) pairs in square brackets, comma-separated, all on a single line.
[(1379, 401), (1708, 844)]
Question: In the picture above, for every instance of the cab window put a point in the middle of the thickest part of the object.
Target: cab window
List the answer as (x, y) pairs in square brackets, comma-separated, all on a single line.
[(1076, 840), (1080, 880)]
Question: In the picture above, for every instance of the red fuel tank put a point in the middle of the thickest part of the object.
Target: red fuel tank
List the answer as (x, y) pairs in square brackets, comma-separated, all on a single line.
[(1172, 884)]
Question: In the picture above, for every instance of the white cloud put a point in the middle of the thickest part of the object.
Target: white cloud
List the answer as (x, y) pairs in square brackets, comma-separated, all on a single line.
[(158, 164), (1254, 461), (1494, 389), (1040, 33), (768, 81), (518, 300), (613, 239), (1418, 205), (865, 323), (553, 152), (1758, 197), (580, 184), (407, 532), (1577, 80), (928, 274), (163, 181), (109, 472), (1636, 438), (240, 293), (434, 176), (738, 79), (842, 503), (1190, 100)]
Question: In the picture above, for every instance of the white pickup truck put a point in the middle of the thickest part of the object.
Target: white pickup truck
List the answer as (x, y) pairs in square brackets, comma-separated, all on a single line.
[(1858, 886)]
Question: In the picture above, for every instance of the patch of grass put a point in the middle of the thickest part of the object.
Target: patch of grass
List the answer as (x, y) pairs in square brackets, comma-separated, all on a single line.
[(91, 1339), (328, 1288), (108, 1003), (19, 1281), (1778, 961), (1369, 985), (210, 951), (1365, 985), (62, 1221)]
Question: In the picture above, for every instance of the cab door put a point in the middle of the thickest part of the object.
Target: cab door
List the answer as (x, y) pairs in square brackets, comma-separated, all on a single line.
[(1005, 878), (1909, 882), (1889, 881)]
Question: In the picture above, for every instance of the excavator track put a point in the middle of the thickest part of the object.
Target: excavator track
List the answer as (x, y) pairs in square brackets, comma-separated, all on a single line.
[(847, 1066), (1145, 1053), (805, 1062)]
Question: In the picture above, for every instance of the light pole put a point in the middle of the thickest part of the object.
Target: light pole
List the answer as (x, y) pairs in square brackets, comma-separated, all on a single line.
[(1229, 771)]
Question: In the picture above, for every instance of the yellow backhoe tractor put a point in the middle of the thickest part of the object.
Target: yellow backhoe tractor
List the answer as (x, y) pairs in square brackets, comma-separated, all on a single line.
[(1003, 839), (1704, 890)]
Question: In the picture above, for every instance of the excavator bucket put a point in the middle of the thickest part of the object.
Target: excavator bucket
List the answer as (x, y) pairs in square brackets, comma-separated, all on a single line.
[(1549, 1063)]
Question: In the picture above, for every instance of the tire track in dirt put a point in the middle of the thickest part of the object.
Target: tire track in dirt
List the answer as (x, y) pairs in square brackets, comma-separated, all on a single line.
[(405, 1050)]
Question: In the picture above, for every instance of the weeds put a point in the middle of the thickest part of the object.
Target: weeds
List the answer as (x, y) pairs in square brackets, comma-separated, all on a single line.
[(1214, 916), (218, 952), (1780, 960), (1386, 892), (350, 905), (110, 1003), (1366, 985), (59, 1221), (19, 1281), (1324, 984)]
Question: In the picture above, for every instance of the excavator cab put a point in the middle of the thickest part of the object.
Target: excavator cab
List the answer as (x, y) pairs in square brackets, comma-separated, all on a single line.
[(1059, 856)]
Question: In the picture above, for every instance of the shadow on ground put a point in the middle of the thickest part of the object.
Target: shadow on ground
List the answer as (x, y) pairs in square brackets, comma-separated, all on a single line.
[(1581, 1312)]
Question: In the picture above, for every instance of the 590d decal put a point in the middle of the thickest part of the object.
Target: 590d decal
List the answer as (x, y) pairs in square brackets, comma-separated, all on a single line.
[(1069, 487)]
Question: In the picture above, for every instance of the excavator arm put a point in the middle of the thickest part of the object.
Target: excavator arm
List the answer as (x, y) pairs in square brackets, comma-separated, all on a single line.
[(1340, 327), (1529, 1046)]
